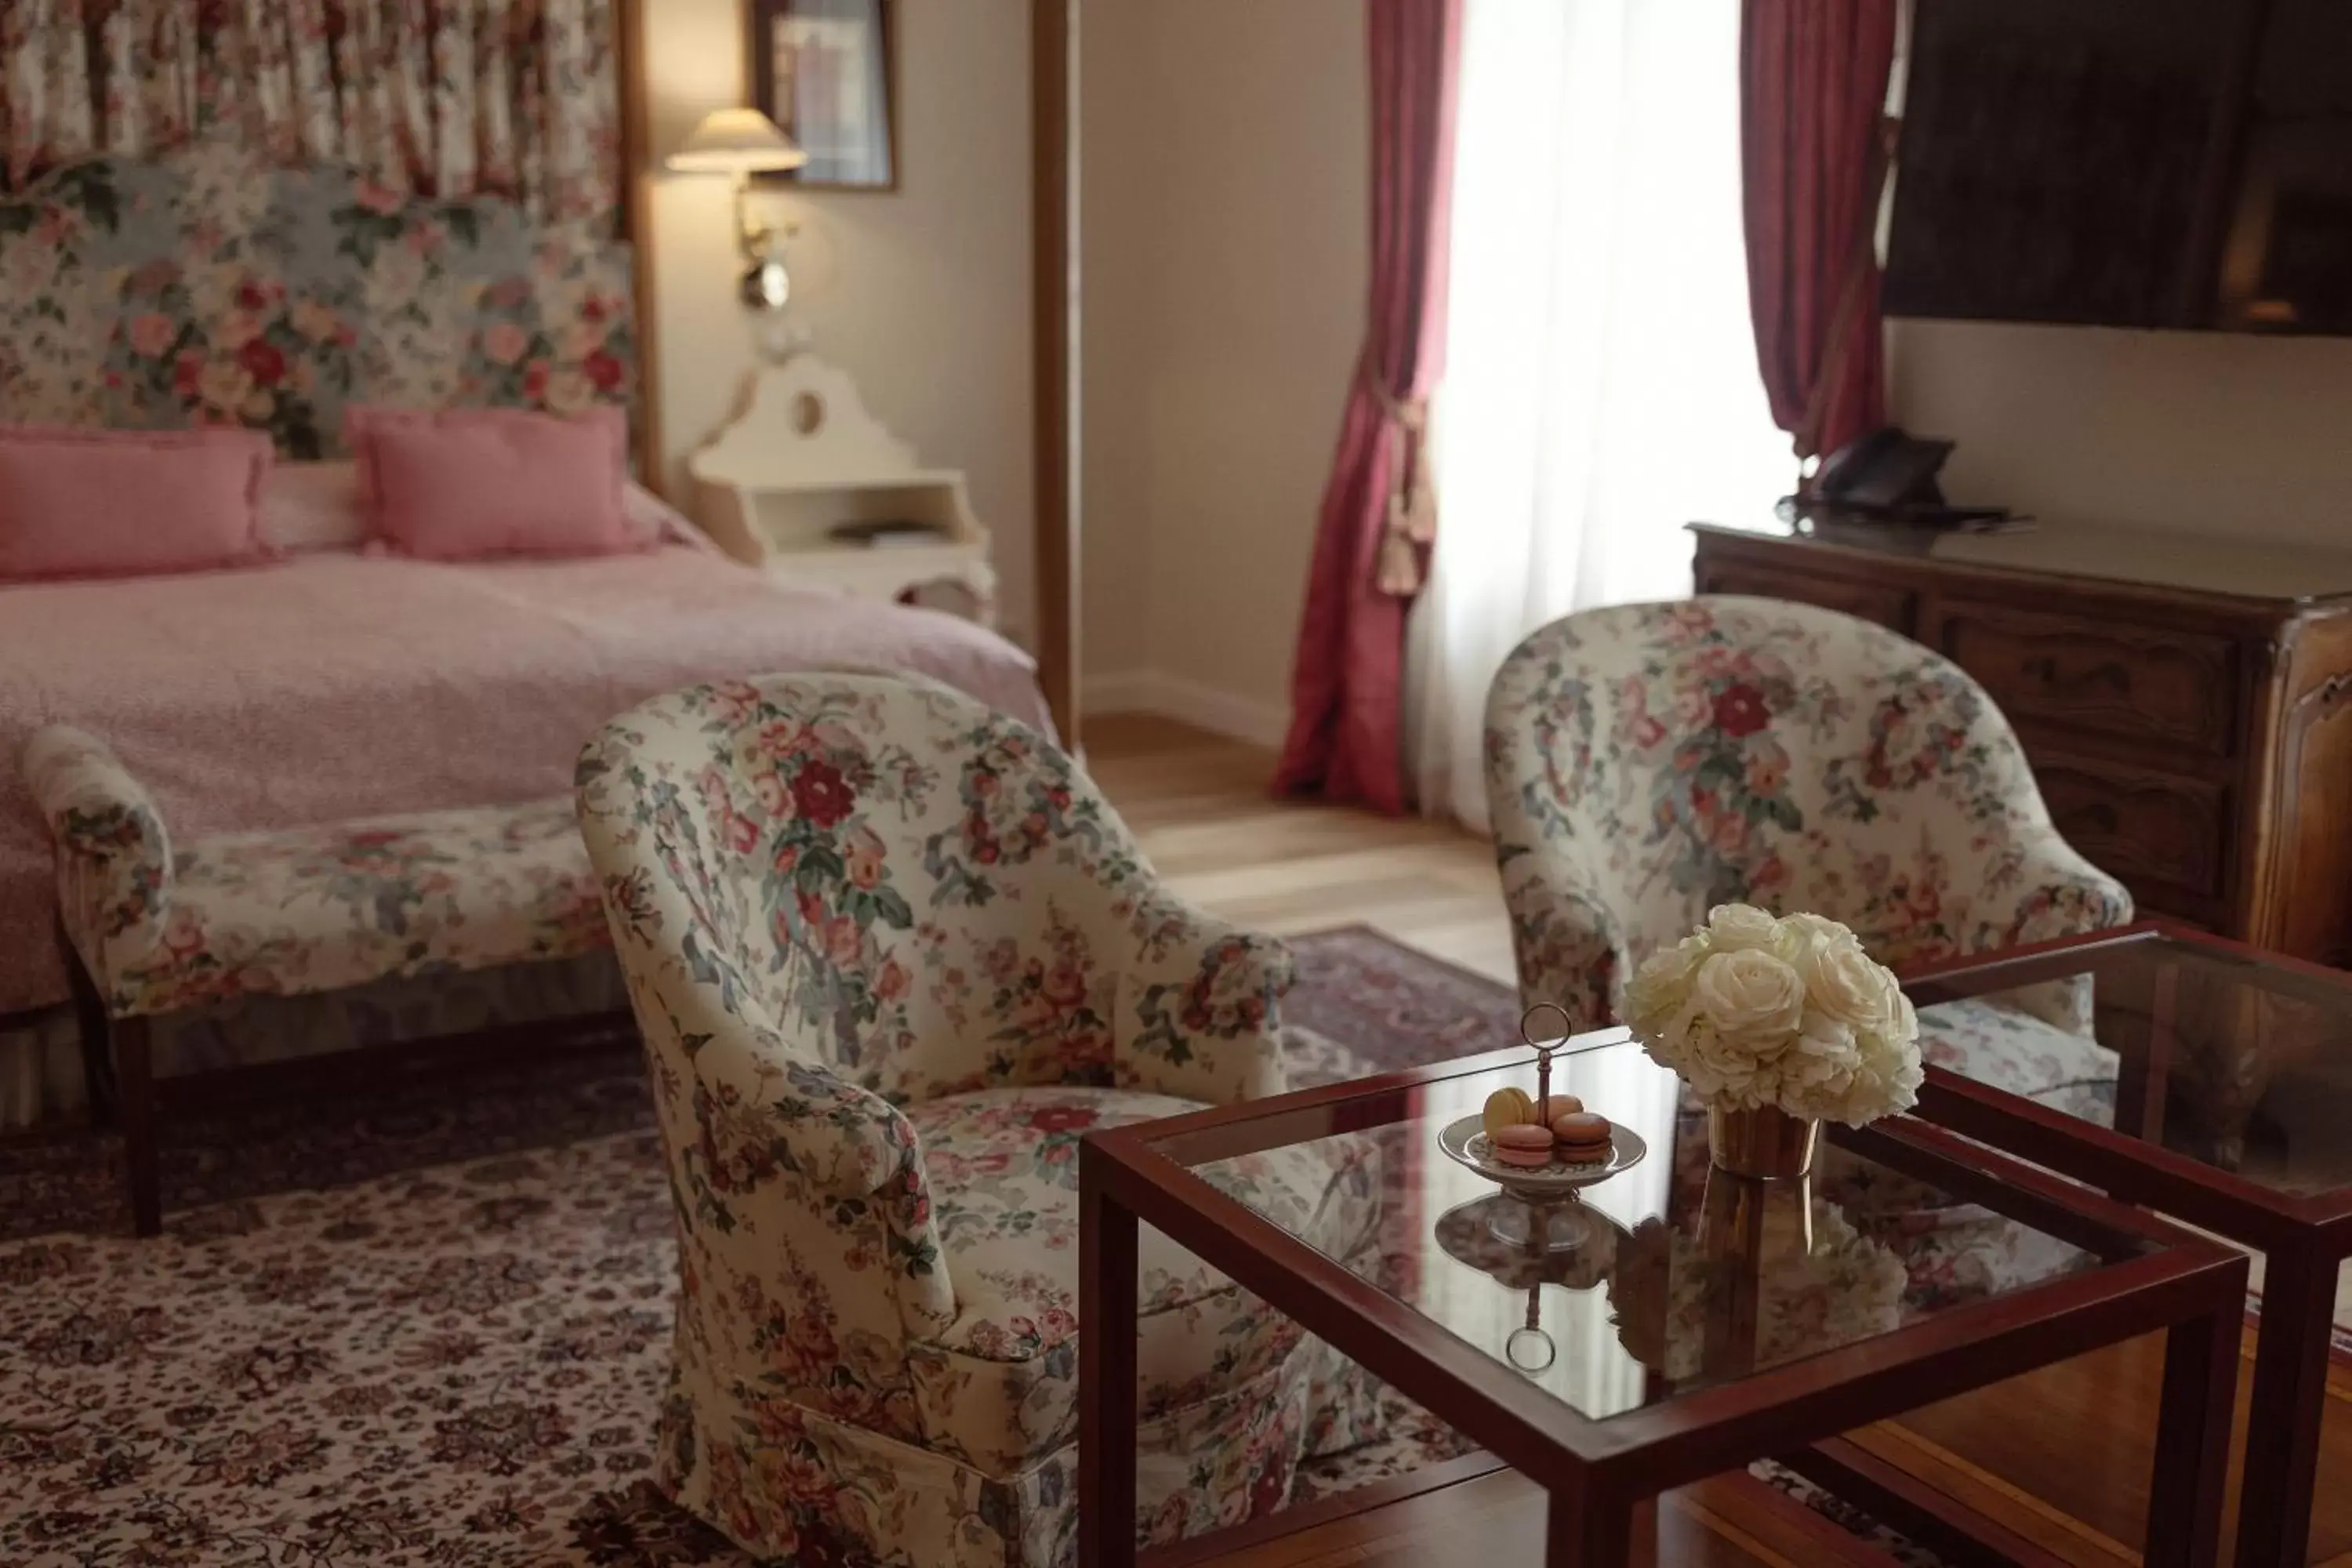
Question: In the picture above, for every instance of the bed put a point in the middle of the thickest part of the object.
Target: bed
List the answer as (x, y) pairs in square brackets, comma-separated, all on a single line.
[(210, 286)]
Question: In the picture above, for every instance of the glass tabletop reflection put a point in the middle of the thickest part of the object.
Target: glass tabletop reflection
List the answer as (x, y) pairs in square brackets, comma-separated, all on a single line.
[(1664, 1277), (2232, 1058)]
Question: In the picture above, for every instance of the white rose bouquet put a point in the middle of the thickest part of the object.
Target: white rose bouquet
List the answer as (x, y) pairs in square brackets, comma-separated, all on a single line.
[(1752, 1010)]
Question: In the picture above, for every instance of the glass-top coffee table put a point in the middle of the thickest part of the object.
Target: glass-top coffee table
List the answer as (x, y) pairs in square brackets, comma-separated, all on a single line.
[(1668, 1324), (2223, 1096)]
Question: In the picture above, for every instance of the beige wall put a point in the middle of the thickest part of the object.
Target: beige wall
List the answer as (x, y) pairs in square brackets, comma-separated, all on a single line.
[(2203, 433), (1223, 228), (1116, 227), (922, 295), (1223, 224)]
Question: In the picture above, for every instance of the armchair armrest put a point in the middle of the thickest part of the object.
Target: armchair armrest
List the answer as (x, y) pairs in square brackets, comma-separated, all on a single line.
[(1571, 949), (796, 1165), (1199, 1006), (2035, 887), (2038, 887), (114, 860)]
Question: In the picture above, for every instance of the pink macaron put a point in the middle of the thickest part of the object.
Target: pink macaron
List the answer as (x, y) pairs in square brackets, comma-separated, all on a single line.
[(1527, 1146), (1584, 1138)]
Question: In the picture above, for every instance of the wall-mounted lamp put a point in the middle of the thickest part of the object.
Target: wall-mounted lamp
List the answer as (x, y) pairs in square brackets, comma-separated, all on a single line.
[(741, 142)]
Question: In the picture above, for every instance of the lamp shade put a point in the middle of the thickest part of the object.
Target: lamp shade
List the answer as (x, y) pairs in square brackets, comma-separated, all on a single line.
[(736, 141)]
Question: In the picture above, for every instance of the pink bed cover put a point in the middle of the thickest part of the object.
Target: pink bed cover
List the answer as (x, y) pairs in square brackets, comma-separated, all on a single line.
[(337, 686)]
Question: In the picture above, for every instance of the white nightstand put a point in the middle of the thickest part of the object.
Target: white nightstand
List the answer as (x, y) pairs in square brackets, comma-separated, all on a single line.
[(806, 456)]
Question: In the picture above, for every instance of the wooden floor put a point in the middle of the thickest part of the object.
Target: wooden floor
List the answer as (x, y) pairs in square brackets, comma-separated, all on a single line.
[(2060, 1457), (1201, 805), (1497, 1520)]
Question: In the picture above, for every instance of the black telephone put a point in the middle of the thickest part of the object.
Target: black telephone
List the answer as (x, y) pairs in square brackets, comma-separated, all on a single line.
[(1891, 473), (1882, 471)]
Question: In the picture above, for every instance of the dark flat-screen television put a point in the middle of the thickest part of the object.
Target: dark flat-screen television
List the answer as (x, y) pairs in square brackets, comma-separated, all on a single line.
[(2183, 163)]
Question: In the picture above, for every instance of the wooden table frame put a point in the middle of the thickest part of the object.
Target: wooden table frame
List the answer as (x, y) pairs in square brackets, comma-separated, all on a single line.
[(2305, 1238), (1597, 1471)]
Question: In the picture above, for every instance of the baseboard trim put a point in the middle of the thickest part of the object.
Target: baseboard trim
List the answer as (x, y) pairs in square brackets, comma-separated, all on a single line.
[(1173, 696), (1121, 691)]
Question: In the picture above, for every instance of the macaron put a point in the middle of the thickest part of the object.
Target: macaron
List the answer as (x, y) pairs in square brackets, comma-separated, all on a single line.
[(1525, 1145), (1583, 1137), (1507, 1108), (1561, 1105)]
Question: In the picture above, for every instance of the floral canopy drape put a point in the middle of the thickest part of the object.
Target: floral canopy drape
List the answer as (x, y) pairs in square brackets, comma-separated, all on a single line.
[(440, 98)]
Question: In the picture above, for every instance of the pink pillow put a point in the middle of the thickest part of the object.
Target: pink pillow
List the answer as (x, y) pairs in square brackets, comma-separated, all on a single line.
[(470, 484), (312, 506), (121, 503), (317, 506)]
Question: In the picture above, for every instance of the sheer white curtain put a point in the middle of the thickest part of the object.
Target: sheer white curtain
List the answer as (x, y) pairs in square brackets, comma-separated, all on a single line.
[(1600, 385)]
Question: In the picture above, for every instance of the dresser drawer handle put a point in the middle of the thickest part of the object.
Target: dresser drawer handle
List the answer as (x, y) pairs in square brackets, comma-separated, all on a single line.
[(2109, 674)]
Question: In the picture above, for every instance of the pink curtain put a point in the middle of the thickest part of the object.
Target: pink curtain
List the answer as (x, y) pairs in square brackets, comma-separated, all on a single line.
[(1379, 514), (438, 97), (1812, 97)]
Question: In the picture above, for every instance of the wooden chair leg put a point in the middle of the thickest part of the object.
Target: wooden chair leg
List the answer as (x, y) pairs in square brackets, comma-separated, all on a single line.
[(134, 1071), (91, 1024)]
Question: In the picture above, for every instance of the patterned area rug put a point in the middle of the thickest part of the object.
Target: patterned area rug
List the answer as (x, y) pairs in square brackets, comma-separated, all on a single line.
[(434, 1330), (431, 1331)]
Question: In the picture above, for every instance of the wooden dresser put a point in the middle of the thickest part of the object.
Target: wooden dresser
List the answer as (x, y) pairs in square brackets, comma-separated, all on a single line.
[(2186, 703)]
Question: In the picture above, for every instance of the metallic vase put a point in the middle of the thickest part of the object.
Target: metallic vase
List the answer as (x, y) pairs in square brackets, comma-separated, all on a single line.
[(1750, 1229), (1767, 1142)]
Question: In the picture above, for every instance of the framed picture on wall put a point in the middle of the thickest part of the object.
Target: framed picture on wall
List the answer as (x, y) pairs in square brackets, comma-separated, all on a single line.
[(826, 70)]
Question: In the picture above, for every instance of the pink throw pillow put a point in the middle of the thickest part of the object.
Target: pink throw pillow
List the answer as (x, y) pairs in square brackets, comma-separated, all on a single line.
[(308, 507), (124, 503), (313, 506), (471, 484)]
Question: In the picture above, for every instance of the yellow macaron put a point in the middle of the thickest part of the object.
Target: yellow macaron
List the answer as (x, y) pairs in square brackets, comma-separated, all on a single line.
[(1507, 1108)]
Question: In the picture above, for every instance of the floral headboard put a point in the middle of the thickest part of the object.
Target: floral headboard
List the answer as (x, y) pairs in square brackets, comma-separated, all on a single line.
[(211, 286)]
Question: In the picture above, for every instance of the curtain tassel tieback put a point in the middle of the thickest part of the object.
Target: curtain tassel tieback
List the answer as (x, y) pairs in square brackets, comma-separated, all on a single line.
[(1409, 520)]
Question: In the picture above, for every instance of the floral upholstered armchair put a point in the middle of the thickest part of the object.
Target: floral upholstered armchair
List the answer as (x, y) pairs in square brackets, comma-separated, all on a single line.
[(892, 956), (1647, 761)]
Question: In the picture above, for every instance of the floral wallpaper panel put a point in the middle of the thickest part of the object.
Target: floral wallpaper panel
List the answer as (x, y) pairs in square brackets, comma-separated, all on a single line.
[(212, 288)]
